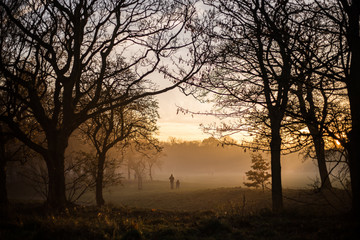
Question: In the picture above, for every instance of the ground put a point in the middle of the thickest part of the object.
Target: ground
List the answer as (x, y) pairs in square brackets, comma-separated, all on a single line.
[(193, 212)]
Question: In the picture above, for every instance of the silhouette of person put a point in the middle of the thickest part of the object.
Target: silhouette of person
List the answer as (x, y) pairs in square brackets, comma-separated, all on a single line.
[(178, 184), (171, 178)]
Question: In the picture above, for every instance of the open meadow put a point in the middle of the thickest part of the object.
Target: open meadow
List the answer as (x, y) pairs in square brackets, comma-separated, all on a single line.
[(206, 197), (195, 211)]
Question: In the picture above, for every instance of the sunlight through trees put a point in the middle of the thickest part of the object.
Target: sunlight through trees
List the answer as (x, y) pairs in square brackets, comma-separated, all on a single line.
[(78, 80)]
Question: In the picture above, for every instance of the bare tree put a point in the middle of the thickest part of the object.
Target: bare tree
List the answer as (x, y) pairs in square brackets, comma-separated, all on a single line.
[(136, 162), (79, 175), (11, 151), (351, 28), (253, 71), (138, 153), (62, 59), (153, 159), (318, 93), (82, 174), (3, 160), (35, 175), (342, 63), (115, 126)]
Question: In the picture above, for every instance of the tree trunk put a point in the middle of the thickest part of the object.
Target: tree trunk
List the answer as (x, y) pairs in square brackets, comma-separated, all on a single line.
[(99, 181), (150, 172), (129, 175), (139, 182), (320, 156), (3, 191), (56, 169), (56, 194), (315, 131), (354, 165), (354, 140), (353, 88), (275, 146)]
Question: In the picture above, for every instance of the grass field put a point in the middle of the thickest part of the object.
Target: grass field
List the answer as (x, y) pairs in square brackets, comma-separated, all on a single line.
[(204, 197), (196, 211)]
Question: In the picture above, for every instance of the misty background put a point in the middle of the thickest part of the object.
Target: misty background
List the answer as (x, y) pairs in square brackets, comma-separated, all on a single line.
[(209, 163), (199, 164)]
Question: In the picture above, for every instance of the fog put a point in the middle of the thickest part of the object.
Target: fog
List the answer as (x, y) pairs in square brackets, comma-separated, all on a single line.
[(197, 164), (213, 165)]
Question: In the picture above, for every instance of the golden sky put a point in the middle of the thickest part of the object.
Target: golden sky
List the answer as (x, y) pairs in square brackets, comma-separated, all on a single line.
[(180, 126)]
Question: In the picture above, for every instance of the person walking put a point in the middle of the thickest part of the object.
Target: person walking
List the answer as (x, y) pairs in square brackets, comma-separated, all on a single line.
[(171, 178)]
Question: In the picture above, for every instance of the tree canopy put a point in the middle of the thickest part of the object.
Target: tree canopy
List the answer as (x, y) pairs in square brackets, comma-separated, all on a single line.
[(65, 62)]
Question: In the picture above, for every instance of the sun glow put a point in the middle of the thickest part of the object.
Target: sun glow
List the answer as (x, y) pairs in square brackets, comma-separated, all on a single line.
[(337, 143), (179, 125)]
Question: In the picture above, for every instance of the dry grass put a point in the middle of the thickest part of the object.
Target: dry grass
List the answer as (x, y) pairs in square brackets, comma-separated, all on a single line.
[(189, 213), (199, 197)]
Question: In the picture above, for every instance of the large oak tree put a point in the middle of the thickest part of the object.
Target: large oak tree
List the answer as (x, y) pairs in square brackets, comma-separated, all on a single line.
[(61, 59)]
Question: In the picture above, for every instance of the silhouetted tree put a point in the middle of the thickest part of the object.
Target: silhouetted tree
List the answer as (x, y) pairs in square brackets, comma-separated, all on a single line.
[(309, 116), (136, 162), (3, 161), (341, 22), (253, 71), (318, 93), (316, 129), (82, 174), (35, 174), (137, 154), (117, 125), (62, 59), (11, 150), (259, 175), (153, 158)]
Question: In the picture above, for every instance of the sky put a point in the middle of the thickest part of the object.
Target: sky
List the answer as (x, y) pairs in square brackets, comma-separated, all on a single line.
[(179, 125)]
